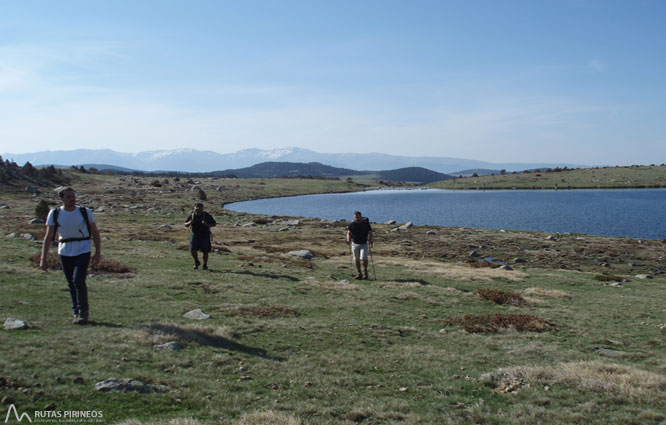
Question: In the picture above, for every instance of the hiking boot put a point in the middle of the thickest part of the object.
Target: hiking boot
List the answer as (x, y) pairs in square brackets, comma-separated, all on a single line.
[(77, 320), (359, 277), (196, 265), (205, 267), (366, 275)]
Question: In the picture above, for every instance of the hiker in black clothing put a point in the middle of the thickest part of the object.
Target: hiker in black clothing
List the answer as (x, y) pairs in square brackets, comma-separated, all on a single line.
[(75, 226), (359, 235), (200, 222)]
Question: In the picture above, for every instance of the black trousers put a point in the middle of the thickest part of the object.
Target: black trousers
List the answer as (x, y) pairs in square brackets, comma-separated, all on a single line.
[(76, 269)]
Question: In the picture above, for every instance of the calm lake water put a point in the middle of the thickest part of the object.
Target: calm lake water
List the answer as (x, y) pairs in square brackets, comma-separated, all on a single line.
[(636, 213)]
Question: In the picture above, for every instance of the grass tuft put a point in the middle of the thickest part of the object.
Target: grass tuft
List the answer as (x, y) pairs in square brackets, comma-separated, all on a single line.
[(500, 297), (493, 323)]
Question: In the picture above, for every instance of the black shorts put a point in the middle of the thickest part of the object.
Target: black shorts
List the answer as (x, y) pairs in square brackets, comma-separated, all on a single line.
[(200, 243)]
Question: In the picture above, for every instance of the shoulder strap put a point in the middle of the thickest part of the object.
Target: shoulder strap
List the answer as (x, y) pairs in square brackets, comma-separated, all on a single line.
[(84, 213), (56, 211)]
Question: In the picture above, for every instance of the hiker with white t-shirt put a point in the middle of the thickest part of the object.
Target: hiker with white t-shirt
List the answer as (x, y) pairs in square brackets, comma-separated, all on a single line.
[(75, 226)]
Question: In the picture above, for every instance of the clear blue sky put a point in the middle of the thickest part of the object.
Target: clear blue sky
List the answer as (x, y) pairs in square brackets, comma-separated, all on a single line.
[(578, 81)]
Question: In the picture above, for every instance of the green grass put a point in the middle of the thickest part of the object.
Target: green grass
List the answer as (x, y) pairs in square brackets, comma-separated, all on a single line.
[(653, 176), (287, 338)]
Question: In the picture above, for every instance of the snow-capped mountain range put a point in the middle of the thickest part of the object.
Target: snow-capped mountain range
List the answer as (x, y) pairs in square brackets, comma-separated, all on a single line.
[(191, 160)]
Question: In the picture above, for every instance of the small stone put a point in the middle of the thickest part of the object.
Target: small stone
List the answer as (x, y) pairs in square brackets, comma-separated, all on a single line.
[(12, 324), (390, 222), (37, 221), (196, 314), (284, 229), (431, 233), (50, 406), (518, 261), (505, 267), (643, 276), (403, 389), (443, 331), (28, 237), (171, 345), (474, 254), (406, 225), (79, 380), (129, 385), (344, 281), (303, 253)]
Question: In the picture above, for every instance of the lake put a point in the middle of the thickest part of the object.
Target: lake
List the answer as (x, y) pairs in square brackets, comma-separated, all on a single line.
[(636, 213)]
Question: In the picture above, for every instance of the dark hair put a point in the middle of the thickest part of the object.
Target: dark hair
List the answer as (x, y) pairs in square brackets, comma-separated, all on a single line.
[(358, 213), (62, 190), (199, 205)]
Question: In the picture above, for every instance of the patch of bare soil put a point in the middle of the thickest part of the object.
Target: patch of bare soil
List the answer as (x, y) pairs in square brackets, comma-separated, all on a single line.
[(105, 266)]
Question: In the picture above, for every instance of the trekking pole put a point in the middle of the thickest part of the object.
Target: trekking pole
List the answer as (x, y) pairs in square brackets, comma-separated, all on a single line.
[(372, 262)]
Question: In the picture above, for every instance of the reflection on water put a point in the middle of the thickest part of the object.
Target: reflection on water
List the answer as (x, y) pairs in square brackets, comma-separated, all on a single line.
[(638, 213)]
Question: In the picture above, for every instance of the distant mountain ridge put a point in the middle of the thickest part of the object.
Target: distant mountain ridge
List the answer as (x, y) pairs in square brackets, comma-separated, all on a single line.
[(191, 160)]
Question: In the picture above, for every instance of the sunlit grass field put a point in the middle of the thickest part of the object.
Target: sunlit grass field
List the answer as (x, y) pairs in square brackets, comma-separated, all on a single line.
[(300, 341)]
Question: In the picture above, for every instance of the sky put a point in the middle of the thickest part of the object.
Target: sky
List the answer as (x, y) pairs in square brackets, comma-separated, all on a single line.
[(575, 81)]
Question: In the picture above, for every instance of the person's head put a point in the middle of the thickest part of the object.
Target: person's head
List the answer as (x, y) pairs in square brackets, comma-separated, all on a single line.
[(357, 216), (67, 196), (198, 208)]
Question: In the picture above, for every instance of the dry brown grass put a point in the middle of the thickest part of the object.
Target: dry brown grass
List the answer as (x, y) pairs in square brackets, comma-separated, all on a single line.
[(625, 381), (265, 310), (546, 293), (454, 272), (105, 266), (159, 333), (492, 323), (501, 297), (268, 417)]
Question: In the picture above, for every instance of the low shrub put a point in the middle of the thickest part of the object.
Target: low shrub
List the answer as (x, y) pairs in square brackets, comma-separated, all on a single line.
[(493, 323), (500, 297)]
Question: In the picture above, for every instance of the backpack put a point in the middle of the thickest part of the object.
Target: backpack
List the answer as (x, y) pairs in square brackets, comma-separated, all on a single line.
[(84, 213)]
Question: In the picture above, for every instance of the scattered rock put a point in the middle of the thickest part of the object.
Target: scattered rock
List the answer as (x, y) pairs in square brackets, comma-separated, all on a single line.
[(165, 227), (345, 281), (518, 261), (431, 233), (643, 276), (284, 229), (196, 314), (127, 385), (616, 285), (4, 207), (28, 237), (171, 345), (406, 226), (250, 224), (12, 324), (612, 353), (37, 221), (390, 222), (505, 267), (293, 223), (303, 253), (50, 406), (13, 235), (550, 238), (443, 331), (474, 254)]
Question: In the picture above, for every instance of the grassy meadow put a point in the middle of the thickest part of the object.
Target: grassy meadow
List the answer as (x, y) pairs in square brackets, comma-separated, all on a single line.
[(637, 176), (568, 334)]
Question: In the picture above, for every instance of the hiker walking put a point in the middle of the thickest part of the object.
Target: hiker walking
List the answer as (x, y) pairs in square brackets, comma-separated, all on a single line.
[(359, 234), (200, 222), (75, 226)]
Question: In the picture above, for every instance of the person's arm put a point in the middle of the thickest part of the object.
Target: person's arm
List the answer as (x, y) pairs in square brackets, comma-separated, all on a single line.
[(211, 221), (348, 236), (189, 220), (370, 236), (46, 247), (98, 243)]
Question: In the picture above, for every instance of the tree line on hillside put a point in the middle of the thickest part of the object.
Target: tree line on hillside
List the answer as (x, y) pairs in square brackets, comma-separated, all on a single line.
[(11, 172)]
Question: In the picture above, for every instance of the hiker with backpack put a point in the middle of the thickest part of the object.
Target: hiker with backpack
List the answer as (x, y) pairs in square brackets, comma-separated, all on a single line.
[(359, 234), (75, 226), (200, 222)]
